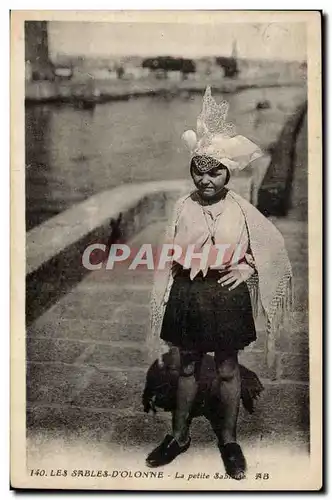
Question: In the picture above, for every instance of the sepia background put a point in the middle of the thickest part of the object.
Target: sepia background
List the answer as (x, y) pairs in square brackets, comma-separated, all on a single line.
[(105, 107)]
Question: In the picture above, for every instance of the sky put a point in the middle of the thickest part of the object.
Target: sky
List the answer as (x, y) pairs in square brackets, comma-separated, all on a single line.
[(266, 41)]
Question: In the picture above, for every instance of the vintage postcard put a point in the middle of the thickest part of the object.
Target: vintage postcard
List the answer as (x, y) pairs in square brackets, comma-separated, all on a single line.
[(166, 243)]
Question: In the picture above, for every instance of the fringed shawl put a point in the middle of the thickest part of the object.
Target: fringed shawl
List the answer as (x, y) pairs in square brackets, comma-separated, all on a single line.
[(270, 287)]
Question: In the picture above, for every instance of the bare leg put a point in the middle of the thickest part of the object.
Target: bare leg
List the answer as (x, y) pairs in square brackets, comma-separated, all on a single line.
[(229, 383), (186, 393), (179, 442)]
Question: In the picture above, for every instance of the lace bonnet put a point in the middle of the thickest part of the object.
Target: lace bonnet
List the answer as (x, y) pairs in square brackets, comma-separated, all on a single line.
[(216, 139)]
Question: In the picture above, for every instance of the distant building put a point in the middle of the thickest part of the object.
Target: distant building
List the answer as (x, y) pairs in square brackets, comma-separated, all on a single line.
[(103, 74), (194, 76), (217, 73), (145, 72), (135, 73), (79, 74), (174, 76), (63, 72), (204, 66), (274, 70)]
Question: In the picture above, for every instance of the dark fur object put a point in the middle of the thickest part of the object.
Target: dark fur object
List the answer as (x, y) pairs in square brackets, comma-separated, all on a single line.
[(161, 384)]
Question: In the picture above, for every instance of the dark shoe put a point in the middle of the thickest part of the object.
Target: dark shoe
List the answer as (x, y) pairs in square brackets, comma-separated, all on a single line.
[(234, 461), (166, 452)]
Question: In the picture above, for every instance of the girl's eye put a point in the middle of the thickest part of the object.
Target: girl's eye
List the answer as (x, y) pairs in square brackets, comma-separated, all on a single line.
[(215, 173)]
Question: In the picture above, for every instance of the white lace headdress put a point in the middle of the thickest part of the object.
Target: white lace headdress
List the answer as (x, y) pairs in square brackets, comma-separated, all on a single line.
[(217, 139)]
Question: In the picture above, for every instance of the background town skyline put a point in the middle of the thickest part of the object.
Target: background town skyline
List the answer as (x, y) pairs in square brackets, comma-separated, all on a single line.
[(278, 41)]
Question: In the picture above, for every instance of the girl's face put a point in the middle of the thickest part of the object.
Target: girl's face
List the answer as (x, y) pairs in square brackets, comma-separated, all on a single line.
[(210, 183)]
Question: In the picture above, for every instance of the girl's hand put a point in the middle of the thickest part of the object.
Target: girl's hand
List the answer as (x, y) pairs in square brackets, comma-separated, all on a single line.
[(236, 276)]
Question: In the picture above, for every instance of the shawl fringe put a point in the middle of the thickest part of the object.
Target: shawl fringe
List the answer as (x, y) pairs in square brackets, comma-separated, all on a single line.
[(278, 318)]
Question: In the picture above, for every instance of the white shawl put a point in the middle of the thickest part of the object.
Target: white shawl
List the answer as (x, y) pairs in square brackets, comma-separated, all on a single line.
[(270, 288)]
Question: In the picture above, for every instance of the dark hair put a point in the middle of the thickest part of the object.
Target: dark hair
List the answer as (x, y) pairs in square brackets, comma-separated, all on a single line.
[(217, 164)]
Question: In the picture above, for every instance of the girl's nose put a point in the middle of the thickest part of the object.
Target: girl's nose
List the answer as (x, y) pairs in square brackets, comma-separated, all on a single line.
[(205, 179)]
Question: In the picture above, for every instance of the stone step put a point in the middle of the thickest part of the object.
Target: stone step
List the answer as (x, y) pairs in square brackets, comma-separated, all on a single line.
[(282, 410), (113, 376), (51, 326)]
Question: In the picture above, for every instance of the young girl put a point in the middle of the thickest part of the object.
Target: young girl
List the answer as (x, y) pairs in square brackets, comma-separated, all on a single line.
[(233, 259)]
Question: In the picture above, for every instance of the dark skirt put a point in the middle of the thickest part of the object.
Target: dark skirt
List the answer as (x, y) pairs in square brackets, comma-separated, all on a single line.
[(202, 315)]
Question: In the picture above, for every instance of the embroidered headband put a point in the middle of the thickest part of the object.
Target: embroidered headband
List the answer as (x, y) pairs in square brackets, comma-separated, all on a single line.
[(216, 138)]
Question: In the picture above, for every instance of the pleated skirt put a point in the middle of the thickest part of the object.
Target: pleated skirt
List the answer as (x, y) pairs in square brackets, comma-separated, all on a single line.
[(201, 315)]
